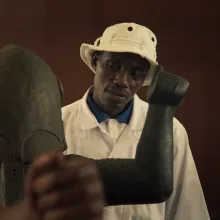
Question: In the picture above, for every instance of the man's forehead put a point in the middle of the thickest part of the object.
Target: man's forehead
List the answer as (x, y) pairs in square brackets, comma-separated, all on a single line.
[(132, 57)]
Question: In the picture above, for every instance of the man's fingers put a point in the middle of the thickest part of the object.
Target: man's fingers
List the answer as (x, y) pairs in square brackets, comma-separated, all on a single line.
[(54, 179), (76, 184), (69, 172), (71, 189), (81, 168), (74, 195), (59, 198), (42, 164), (46, 162)]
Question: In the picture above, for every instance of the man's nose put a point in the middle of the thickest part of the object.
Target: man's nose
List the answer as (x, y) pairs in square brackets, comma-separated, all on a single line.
[(122, 79)]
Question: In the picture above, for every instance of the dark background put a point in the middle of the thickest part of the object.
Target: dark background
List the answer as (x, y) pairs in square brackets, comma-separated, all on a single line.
[(188, 44)]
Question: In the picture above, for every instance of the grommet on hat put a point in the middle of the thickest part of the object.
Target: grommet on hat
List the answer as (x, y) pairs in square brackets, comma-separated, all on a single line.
[(130, 28), (125, 37)]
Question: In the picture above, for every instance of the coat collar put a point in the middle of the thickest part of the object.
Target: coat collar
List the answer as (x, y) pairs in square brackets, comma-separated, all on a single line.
[(89, 121), (101, 116)]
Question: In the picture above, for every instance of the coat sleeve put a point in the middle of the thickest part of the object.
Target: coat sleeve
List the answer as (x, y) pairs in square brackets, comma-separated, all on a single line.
[(187, 200)]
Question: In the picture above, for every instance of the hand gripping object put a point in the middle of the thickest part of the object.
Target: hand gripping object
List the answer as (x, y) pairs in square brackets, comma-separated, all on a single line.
[(31, 124)]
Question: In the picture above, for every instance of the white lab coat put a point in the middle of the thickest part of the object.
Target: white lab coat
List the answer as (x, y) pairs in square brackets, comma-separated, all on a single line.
[(111, 139)]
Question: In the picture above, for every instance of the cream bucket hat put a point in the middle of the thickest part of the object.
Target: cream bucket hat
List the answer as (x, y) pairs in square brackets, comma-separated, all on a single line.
[(125, 37)]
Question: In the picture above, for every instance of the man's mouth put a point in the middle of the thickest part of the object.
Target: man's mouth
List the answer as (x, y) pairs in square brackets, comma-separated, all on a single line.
[(117, 93)]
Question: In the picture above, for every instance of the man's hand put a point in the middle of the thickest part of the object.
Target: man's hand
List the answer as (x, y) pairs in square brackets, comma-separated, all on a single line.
[(60, 189)]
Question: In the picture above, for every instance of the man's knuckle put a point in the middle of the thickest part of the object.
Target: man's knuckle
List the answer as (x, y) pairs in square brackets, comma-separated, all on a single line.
[(95, 207), (57, 197)]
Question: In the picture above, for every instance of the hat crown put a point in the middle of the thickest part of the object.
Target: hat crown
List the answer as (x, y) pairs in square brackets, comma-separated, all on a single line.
[(131, 33)]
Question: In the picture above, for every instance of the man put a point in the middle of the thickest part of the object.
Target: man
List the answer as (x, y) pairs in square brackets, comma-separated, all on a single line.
[(107, 122)]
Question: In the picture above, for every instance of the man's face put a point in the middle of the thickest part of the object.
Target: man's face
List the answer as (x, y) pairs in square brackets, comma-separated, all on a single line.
[(118, 78)]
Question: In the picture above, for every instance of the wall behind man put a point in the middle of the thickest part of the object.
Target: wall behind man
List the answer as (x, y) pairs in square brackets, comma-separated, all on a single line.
[(188, 45)]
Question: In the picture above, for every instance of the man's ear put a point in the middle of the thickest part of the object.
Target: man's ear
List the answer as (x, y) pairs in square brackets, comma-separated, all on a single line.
[(94, 60)]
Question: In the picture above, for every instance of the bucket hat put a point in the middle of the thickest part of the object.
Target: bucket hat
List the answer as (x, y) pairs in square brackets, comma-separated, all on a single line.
[(125, 37)]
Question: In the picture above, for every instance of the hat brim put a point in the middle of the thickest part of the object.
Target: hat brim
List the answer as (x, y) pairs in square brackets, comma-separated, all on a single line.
[(87, 50)]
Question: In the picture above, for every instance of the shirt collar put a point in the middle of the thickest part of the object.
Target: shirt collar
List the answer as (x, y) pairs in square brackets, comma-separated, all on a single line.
[(88, 120), (101, 116)]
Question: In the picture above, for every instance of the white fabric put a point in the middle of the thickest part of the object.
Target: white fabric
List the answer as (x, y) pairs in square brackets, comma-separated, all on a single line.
[(86, 137), (113, 128), (125, 37)]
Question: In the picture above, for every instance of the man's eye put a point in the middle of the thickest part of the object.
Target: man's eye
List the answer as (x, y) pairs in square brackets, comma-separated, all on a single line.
[(137, 72), (114, 66)]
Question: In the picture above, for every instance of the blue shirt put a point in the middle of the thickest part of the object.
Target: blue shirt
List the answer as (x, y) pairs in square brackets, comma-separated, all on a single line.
[(101, 116)]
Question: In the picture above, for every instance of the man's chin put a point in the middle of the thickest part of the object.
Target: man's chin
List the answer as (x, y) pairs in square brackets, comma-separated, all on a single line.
[(114, 105)]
